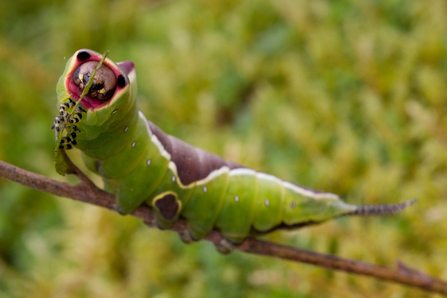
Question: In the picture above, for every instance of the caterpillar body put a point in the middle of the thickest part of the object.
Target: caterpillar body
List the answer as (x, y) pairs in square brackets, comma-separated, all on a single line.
[(140, 164)]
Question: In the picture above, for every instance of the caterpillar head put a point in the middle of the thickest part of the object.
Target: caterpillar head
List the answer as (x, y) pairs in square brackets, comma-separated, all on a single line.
[(104, 82), (111, 85)]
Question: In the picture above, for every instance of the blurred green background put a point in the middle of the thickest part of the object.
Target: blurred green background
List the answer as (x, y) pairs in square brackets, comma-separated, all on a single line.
[(343, 96)]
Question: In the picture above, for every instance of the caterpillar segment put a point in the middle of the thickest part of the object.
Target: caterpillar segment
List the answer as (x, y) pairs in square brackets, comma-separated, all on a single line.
[(140, 164)]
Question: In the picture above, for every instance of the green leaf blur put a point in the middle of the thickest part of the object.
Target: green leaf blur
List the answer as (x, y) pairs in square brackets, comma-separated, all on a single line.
[(344, 96)]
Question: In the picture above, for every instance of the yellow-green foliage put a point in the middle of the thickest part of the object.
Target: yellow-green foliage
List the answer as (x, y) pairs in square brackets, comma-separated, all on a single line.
[(344, 96)]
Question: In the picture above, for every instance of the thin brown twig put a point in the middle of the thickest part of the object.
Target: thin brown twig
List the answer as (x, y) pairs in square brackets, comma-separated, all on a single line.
[(87, 192)]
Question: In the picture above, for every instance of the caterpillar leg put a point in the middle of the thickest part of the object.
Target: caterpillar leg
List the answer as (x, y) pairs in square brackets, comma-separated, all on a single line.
[(69, 141), (187, 237), (67, 105), (65, 114), (75, 128), (76, 118), (57, 123), (77, 115), (225, 246), (65, 146), (192, 235)]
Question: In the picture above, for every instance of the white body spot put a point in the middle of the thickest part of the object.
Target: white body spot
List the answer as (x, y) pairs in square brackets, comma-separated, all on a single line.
[(125, 129), (204, 189), (173, 178), (148, 162), (266, 202), (133, 144), (236, 199)]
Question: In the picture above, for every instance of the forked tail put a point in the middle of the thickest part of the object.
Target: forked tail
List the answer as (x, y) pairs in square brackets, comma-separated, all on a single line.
[(380, 209)]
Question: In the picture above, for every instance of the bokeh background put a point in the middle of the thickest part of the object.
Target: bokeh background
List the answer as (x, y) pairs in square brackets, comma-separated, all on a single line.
[(345, 96)]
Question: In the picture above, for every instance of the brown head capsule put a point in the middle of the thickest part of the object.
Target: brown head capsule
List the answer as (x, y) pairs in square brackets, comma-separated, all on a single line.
[(104, 83)]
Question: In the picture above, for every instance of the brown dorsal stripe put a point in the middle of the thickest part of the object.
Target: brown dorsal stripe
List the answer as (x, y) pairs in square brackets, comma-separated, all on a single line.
[(192, 163), (168, 206)]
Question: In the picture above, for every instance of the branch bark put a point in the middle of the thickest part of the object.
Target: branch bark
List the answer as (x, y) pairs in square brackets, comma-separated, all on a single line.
[(87, 192)]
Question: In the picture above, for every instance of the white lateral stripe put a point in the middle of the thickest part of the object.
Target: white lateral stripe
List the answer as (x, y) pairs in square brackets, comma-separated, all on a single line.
[(310, 193), (160, 147), (301, 190), (263, 176), (154, 139), (172, 166), (242, 172), (213, 175), (141, 115)]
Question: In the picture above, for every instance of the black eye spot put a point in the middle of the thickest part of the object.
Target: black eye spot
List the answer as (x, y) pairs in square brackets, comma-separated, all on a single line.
[(83, 56), (121, 81)]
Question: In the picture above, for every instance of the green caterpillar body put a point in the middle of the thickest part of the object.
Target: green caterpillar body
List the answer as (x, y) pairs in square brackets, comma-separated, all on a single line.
[(140, 164)]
